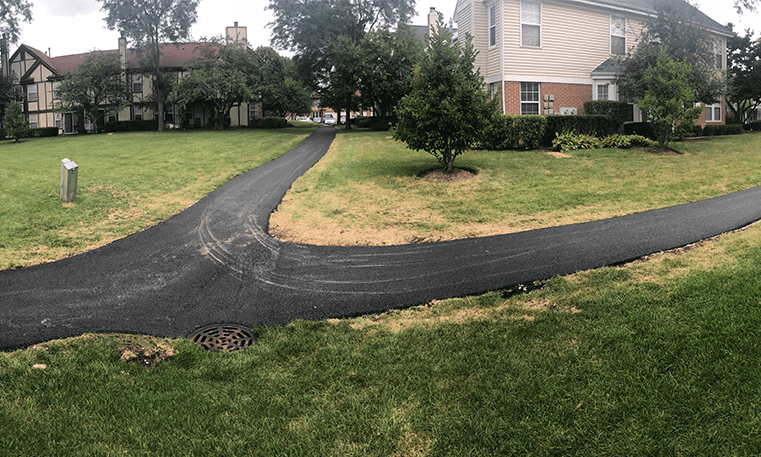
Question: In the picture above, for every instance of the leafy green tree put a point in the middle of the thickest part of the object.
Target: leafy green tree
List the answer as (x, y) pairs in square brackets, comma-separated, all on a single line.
[(448, 108), (326, 35), (220, 78), (389, 62), (10, 92), (15, 122), (96, 87), (11, 11), (147, 23), (685, 43), (668, 99), (749, 5), (276, 81), (744, 76)]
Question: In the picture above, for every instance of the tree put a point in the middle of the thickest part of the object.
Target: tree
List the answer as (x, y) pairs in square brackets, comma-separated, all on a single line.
[(15, 122), (278, 85), (10, 92), (390, 59), (744, 76), (326, 34), (668, 99), (685, 43), (220, 77), (448, 108), (147, 23), (749, 5), (12, 11), (96, 87)]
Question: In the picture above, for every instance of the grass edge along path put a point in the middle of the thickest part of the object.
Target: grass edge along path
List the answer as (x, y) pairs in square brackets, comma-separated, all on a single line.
[(656, 357), (366, 190), (126, 183)]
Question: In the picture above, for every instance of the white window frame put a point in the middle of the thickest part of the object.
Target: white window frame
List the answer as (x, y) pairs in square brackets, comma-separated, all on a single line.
[(528, 21), (616, 32), (492, 25), (603, 88), (712, 111), (253, 110), (31, 93), (137, 82), (56, 85), (34, 120), (718, 54), (527, 90), (57, 120)]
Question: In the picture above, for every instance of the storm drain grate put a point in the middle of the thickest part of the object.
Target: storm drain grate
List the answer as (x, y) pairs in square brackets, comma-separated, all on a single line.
[(223, 337)]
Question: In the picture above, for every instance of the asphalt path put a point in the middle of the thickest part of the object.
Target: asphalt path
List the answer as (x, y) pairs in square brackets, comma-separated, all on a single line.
[(216, 263)]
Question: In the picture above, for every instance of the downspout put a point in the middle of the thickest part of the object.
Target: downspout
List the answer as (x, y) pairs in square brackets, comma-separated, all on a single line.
[(502, 52)]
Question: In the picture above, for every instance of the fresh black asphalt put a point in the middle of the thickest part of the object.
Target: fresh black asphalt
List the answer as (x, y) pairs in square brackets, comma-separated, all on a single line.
[(216, 263)]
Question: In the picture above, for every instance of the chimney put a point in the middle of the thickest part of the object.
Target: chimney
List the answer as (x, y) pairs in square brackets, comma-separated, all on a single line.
[(4, 57), (123, 52), (433, 18), (237, 34)]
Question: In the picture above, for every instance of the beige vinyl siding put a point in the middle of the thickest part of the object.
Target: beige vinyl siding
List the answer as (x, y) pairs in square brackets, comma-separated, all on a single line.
[(481, 38), (575, 40), (464, 19), (493, 69)]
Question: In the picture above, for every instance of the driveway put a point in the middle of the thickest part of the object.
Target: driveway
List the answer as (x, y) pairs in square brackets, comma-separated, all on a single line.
[(216, 263)]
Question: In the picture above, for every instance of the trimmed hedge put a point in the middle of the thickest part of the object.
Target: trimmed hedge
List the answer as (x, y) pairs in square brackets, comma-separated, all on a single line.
[(43, 132), (754, 126), (594, 125), (729, 129), (640, 128), (621, 111), (131, 126), (268, 123)]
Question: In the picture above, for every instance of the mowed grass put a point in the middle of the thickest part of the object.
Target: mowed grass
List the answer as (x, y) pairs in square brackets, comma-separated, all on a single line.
[(658, 357), (367, 190), (126, 182)]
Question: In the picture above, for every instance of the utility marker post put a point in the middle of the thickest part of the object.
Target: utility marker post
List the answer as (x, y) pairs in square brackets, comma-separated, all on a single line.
[(68, 180)]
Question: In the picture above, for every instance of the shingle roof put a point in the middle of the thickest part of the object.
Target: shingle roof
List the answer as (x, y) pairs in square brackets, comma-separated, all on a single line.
[(651, 7)]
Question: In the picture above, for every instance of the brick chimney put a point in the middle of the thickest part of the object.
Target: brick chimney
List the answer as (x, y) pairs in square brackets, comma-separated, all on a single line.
[(433, 18)]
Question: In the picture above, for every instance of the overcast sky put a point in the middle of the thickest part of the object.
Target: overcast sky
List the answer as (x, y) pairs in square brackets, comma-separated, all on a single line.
[(75, 26)]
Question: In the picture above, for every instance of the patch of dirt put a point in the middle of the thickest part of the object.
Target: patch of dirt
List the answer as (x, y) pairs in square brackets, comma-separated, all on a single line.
[(147, 357), (439, 175), (559, 155)]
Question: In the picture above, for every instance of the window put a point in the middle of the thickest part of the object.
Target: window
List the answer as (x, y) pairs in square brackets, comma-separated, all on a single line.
[(713, 113), (617, 35), (603, 92), (529, 98), (33, 121), (57, 118), (493, 90), (531, 23), (253, 110), (31, 93), (718, 54), (56, 85), (492, 26), (137, 83), (137, 113)]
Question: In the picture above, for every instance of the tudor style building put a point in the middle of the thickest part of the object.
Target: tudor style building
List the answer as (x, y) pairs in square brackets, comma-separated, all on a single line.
[(39, 75), (550, 56)]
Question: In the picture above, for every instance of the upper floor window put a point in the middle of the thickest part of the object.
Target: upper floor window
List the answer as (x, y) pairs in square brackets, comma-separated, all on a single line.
[(492, 25), (718, 50), (56, 85), (137, 83), (531, 23), (617, 35), (529, 98), (31, 93)]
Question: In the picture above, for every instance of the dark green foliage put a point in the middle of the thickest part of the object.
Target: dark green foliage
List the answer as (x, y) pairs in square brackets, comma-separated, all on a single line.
[(640, 128), (716, 130), (594, 125), (43, 132), (743, 76), (447, 110), (268, 123), (569, 141), (754, 126), (530, 130), (500, 135), (620, 111), (131, 126), (15, 122)]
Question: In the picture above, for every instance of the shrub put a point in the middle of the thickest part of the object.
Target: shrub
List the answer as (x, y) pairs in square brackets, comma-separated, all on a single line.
[(44, 132), (754, 126), (596, 125), (500, 135), (570, 140), (640, 141), (268, 123), (640, 128), (616, 142), (715, 130), (131, 126), (619, 111), (530, 130)]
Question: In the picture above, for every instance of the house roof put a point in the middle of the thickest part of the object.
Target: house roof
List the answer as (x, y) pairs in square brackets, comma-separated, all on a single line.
[(173, 55)]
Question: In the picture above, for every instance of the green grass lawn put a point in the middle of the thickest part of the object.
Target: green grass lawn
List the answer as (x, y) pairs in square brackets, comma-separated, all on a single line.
[(367, 191), (656, 357), (126, 182)]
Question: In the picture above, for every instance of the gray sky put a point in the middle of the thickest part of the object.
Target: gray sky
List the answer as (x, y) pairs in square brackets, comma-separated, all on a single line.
[(73, 26)]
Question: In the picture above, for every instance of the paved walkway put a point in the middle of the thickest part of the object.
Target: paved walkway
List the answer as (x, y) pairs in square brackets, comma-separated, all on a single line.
[(216, 263)]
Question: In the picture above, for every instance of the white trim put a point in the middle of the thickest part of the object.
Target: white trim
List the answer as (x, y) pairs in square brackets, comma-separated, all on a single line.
[(548, 79)]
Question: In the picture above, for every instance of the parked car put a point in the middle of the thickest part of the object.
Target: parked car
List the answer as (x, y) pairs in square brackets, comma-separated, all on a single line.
[(329, 119), (303, 119), (317, 119)]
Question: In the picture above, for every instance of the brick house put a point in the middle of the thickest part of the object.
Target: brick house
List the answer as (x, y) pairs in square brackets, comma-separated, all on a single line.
[(39, 75), (550, 56)]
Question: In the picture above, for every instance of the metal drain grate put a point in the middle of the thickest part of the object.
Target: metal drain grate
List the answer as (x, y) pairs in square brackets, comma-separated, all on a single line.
[(223, 337)]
